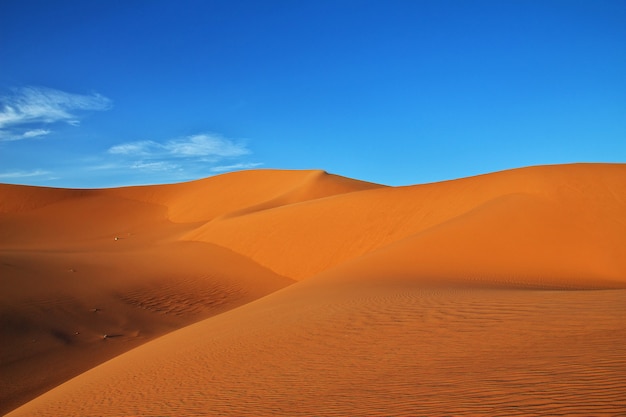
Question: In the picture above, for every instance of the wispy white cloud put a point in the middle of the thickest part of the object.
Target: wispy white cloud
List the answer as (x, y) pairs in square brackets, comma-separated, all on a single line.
[(29, 106), (234, 167), (23, 174), (144, 147), (35, 132), (210, 145), (7, 136), (90, 165), (138, 165), (154, 166), (195, 146), (184, 156)]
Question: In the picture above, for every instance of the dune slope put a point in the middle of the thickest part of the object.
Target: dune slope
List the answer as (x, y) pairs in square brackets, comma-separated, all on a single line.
[(88, 274), (542, 222), (449, 298), (379, 347)]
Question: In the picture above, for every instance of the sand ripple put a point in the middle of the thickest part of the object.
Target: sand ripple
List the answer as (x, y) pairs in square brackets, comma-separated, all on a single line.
[(378, 352)]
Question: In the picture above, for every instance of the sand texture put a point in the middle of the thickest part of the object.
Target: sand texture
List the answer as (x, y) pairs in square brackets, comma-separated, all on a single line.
[(300, 293)]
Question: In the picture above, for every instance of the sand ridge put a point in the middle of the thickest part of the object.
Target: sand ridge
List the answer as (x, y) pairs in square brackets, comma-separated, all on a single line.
[(241, 192), (548, 213), (444, 298)]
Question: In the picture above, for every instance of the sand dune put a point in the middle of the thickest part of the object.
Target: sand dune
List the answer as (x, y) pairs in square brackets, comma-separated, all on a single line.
[(542, 219), (451, 298), (241, 192), (372, 350)]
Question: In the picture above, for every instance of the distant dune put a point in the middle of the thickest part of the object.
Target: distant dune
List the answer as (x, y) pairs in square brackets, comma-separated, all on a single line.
[(299, 293)]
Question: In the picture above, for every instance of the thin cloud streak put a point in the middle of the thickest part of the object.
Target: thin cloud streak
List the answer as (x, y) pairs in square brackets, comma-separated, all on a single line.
[(154, 166), (201, 145), (206, 145), (6, 136), (235, 167), (23, 174), (40, 105), (181, 156), (36, 132), (134, 148)]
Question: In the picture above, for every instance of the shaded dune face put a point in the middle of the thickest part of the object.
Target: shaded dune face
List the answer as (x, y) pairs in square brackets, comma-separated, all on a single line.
[(440, 298)]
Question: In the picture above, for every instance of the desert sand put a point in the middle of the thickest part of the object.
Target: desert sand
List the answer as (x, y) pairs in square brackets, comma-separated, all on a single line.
[(300, 293)]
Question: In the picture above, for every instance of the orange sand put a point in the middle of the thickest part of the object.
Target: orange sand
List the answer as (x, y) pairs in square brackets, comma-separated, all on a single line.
[(502, 294)]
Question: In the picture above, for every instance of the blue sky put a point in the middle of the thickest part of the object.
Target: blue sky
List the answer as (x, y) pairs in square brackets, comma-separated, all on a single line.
[(107, 93)]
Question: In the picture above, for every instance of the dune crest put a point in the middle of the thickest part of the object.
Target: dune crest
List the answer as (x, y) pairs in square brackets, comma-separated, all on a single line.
[(292, 293), (242, 191), (539, 218)]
